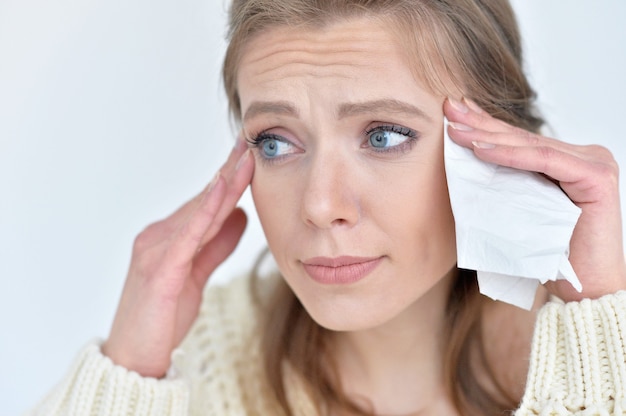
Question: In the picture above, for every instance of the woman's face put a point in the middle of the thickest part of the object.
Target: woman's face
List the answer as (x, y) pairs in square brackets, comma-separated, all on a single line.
[(349, 181)]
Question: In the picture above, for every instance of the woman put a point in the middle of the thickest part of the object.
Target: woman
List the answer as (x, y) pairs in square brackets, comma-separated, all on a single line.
[(341, 107)]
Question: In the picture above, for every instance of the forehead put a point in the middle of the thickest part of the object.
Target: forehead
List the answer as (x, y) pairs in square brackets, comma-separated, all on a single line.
[(348, 43), (358, 59)]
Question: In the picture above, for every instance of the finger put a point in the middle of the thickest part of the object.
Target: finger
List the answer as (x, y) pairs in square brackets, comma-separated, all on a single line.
[(220, 247), (466, 125), (182, 214), (206, 221), (240, 148), (584, 181), (473, 117), (187, 239), (239, 180), (467, 137)]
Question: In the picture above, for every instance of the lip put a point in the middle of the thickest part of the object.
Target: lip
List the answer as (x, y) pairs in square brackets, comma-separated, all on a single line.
[(340, 270)]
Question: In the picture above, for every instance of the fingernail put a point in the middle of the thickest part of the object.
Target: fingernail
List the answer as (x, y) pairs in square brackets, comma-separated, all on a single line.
[(211, 184), (483, 145), (459, 126), (459, 106), (242, 160)]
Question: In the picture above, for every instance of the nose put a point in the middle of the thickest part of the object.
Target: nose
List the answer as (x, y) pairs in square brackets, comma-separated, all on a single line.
[(330, 196)]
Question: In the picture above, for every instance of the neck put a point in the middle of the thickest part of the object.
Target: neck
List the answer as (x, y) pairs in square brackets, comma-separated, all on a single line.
[(398, 366)]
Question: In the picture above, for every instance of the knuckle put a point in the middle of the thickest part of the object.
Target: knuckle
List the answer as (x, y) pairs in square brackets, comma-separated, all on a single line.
[(601, 170), (600, 152), (547, 155), (606, 164), (150, 236), (530, 138), (546, 152), (143, 240), (608, 171)]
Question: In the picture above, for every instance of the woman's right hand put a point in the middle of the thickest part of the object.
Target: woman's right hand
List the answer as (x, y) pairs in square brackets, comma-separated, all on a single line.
[(171, 263)]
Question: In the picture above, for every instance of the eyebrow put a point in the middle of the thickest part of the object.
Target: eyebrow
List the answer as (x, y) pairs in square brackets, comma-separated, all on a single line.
[(381, 106), (345, 110), (258, 108)]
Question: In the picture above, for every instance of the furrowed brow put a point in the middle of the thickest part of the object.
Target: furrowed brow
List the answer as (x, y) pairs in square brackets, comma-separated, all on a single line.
[(258, 108), (381, 106), (286, 108)]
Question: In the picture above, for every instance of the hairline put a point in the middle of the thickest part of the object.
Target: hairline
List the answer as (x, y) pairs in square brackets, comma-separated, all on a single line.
[(430, 79)]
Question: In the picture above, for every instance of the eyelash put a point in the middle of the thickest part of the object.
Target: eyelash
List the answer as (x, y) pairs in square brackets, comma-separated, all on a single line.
[(403, 147), (257, 139)]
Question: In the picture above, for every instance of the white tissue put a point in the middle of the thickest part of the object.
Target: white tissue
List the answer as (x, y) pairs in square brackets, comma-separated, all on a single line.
[(512, 226)]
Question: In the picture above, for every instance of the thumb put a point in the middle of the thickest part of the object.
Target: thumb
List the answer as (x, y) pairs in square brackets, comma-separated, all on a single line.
[(213, 253)]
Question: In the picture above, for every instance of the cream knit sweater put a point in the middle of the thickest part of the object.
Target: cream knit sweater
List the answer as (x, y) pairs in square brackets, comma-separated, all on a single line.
[(577, 367)]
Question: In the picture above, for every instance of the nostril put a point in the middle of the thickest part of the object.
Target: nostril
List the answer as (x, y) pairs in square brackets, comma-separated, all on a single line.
[(339, 221)]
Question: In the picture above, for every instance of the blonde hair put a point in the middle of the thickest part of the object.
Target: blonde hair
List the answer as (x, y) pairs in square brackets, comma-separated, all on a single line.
[(471, 47)]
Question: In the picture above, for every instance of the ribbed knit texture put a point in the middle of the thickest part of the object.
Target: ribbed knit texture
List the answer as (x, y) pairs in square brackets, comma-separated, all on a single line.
[(222, 356), (577, 367), (578, 359), (97, 387)]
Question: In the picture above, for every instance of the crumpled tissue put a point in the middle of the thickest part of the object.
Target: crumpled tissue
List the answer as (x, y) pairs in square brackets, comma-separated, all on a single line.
[(512, 226)]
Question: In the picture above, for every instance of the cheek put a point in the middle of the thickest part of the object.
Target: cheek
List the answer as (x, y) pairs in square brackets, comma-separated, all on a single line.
[(263, 195), (419, 213), (274, 198), (440, 229)]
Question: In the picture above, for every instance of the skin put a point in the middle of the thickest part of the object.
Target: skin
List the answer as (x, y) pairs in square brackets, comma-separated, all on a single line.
[(587, 174), (171, 263), (328, 193), (333, 195), (332, 191)]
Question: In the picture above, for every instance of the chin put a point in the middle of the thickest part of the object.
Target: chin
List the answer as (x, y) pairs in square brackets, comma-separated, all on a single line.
[(369, 304), (349, 314), (347, 323)]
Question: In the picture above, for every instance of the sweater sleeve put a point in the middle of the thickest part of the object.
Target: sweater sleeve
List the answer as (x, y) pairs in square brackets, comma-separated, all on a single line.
[(96, 386), (578, 359)]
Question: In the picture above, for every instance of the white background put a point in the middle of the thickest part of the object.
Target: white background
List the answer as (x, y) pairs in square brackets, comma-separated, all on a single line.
[(112, 114)]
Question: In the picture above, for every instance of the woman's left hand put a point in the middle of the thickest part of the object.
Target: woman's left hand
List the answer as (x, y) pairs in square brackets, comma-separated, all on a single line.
[(587, 174)]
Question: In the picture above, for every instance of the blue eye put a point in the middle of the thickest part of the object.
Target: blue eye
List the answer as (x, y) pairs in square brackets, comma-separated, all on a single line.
[(271, 146), (379, 139), (388, 137)]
